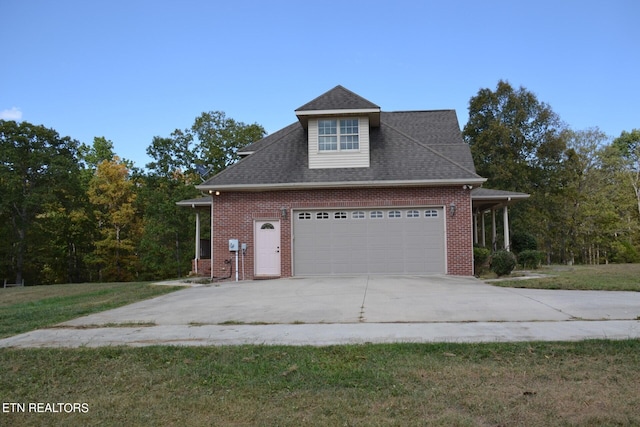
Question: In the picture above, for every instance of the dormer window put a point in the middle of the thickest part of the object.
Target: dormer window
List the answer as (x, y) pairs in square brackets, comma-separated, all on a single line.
[(331, 131)]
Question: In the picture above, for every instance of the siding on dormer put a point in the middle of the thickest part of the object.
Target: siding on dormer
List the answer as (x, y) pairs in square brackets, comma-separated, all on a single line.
[(339, 159)]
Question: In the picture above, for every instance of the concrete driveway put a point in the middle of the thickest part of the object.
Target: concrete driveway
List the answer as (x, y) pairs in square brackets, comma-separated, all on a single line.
[(336, 310)]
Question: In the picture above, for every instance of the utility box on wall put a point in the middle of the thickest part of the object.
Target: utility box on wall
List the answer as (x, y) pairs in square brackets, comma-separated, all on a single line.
[(233, 245)]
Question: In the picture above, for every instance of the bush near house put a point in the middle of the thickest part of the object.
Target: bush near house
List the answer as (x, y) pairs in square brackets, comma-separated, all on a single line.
[(503, 262), (531, 258), (481, 258)]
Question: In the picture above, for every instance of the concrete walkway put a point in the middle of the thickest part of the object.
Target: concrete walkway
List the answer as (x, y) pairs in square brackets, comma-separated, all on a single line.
[(341, 310)]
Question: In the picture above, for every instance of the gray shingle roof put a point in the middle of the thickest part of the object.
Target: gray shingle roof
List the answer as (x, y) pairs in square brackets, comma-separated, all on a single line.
[(407, 147), (338, 98)]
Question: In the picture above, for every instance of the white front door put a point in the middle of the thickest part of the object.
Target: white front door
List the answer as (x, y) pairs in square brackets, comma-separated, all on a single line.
[(267, 248)]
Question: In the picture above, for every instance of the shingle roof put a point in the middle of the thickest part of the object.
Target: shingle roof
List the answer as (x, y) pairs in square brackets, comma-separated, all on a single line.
[(413, 146), (338, 98)]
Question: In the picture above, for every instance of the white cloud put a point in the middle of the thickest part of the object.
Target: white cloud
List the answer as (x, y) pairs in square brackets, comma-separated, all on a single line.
[(13, 113)]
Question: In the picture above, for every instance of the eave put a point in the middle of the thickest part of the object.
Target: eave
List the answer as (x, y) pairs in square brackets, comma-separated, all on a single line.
[(372, 113), (332, 185)]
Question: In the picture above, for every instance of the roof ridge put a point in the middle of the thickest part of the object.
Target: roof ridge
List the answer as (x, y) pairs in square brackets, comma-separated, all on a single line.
[(412, 139)]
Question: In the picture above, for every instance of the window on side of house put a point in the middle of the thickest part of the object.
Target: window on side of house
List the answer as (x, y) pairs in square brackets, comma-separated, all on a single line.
[(331, 131)]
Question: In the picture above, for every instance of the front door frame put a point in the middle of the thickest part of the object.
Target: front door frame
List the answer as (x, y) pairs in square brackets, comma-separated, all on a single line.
[(273, 267)]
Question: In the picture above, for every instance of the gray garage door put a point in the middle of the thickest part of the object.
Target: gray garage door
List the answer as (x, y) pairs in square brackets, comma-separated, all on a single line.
[(369, 241)]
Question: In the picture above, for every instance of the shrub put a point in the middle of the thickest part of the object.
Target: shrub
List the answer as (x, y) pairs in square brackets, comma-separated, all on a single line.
[(531, 259), (624, 252), (523, 241), (503, 262), (480, 259)]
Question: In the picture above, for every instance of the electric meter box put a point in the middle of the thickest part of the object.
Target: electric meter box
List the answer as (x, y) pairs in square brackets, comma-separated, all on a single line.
[(233, 245)]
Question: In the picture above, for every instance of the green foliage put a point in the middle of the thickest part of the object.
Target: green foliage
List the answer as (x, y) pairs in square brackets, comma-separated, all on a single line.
[(40, 190), (480, 259), (531, 258), (624, 252), (522, 241), (212, 141), (166, 246), (503, 262), (515, 139)]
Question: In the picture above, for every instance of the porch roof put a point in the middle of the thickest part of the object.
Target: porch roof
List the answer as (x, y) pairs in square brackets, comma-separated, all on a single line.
[(483, 199)]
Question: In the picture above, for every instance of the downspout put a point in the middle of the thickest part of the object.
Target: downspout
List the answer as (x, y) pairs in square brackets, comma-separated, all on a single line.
[(211, 239), (197, 240)]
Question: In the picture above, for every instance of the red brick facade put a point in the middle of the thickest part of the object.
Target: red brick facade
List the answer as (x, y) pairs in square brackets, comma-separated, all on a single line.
[(234, 214)]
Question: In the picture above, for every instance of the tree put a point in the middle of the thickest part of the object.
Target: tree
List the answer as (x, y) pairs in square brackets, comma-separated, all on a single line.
[(518, 143), (588, 212), (212, 141), (39, 181), (513, 137), (628, 147), (112, 195)]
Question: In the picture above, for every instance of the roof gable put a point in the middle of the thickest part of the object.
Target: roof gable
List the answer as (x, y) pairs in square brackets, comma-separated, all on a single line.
[(339, 101), (338, 98)]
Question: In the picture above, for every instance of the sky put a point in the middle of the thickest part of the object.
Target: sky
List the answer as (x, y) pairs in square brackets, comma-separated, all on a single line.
[(134, 69)]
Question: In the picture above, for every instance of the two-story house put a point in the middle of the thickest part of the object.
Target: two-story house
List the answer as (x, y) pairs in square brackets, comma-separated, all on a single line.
[(349, 189)]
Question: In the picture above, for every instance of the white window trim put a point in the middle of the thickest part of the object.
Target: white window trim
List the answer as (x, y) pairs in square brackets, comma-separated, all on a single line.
[(338, 134)]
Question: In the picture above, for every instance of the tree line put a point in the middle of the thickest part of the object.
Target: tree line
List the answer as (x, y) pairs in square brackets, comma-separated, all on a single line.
[(71, 212), (584, 185)]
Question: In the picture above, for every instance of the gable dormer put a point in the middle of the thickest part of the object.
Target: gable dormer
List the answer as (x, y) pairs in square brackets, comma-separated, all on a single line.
[(337, 125)]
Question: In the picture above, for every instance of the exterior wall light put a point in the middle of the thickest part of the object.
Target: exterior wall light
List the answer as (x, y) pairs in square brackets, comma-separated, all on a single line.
[(452, 209), (283, 212)]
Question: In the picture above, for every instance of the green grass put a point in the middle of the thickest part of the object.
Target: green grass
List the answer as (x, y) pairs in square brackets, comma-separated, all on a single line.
[(612, 277), (23, 309), (590, 383)]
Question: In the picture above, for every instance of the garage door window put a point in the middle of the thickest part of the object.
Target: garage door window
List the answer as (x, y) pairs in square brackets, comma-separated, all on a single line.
[(376, 214), (340, 215), (395, 214), (357, 215), (322, 215), (431, 213), (413, 214), (304, 215)]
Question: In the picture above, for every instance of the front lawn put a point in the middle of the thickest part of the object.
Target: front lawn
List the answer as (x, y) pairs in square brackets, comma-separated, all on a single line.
[(591, 383), (612, 277), (24, 309)]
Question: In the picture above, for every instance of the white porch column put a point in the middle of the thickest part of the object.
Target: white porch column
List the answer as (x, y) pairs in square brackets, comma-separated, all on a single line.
[(197, 257), (506, 228), (494, 233), (484, 239)]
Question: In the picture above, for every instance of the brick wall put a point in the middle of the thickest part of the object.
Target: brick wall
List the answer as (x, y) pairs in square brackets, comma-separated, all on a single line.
[(234, 214)]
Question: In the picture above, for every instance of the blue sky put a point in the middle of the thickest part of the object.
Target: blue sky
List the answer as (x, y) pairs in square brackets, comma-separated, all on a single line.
[(131, 70)]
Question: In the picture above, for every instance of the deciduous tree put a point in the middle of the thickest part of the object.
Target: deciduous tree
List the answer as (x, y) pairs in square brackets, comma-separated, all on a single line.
[(112, 194), (39, 181)]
